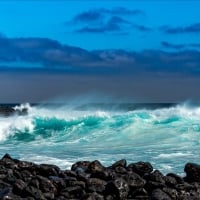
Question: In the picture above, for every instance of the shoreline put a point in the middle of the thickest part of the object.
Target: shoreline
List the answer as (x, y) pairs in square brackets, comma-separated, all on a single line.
[(90, 180)]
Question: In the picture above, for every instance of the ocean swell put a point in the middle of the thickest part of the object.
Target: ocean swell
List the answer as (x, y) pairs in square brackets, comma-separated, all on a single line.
[(167, 137)]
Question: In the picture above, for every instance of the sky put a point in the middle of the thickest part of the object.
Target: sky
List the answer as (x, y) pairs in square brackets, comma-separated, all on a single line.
[(144, 51)]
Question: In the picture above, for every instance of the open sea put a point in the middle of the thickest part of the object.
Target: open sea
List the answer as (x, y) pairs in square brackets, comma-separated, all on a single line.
[(167, 135)]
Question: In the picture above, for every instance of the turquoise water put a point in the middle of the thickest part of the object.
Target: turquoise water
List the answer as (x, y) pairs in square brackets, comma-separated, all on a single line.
[(166, 137)]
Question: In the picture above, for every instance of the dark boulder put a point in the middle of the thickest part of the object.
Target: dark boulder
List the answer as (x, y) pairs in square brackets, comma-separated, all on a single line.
[(120, 163), (96, 185), (140, 168), (173, 193), (134, 181), (46, 185), (154, 180), (117, 188), (139, 193), (73, 192), (93, 196), (95, 167), (19, 186), (48, 170), (107, 174), (178, 178), (80, 167), (170, 181), (158, 194), (33, 192), (192, 171)]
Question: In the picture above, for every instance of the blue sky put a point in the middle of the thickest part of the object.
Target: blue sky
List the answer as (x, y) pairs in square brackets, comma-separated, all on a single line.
[(91, 41), (49, 19)]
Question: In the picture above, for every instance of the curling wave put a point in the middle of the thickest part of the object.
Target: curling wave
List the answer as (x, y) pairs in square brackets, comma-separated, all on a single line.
[(167, 137)]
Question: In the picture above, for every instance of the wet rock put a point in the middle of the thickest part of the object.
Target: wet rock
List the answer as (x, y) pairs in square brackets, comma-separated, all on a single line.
[(120, 170), (58, 182), (48, 170), (93, 196), (67, 179), (96, 185), (139, 194), (156, 176), (81, 166), (4, 192), (134, 181), (192, 172), (68, 173), (171, 192), (33, 192), (73, 192), (91, 180), (107, 174), (49, 195), (35, 183), (95, 167), (76, 183), (178, 178), (120, 163), (118, 188), (140, 168), (158, 194), (45, 185), (170, 181), (19, 186)]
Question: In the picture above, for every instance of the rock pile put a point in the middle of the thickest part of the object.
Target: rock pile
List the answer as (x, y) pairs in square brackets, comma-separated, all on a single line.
[(92, 181)]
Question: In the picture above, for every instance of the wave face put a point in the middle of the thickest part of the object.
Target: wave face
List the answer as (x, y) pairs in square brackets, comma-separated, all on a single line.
[(166, 137)]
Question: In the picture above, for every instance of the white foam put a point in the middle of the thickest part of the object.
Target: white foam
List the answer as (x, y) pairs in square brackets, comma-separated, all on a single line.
[(24, 106), (11, 125), (173, 155)]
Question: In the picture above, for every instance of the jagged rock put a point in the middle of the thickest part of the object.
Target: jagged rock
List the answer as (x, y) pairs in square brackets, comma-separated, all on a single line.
[(134, 180), (58, 182), (170, 181), (140, 168), (48, 170), (4, 192), (33, 192), (68, 173), (171, 192), (19, 186), (76, 183), (95, 167), (178, 178), (45, 185), (81, 166), (96, 185), (139, 193), (73, 192), (158, 194), (107, 174), (93, 196), (91, 180), (120, 170), (118, 188), (192, 172), (120, 163)]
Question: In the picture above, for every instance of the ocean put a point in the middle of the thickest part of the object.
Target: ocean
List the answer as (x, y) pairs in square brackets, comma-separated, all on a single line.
[(167, 135)]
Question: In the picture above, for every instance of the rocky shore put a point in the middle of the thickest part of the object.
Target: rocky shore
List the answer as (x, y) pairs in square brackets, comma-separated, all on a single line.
[(92, 181)]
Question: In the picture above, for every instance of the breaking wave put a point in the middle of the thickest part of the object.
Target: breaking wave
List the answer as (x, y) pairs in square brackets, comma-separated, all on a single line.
[(167, 137)]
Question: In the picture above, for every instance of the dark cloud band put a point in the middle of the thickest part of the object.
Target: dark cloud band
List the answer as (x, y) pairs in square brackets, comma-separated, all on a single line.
[(52, 55)]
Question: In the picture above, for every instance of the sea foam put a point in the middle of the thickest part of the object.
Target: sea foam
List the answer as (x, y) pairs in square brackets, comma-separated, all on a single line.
[(66, 133)]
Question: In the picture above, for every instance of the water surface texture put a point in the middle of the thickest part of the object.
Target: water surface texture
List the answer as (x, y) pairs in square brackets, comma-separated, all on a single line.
[(166, 135)]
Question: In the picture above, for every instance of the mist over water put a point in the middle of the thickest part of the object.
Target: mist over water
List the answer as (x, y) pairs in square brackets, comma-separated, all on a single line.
[(167, 135)]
